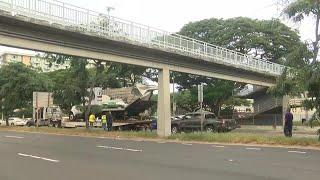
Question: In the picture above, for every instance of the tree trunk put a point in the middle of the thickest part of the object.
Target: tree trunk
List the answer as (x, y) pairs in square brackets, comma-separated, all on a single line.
[(88, 107), (316, 42)]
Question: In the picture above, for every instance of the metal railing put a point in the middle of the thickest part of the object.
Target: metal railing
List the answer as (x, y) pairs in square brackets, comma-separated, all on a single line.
[(98, 24)]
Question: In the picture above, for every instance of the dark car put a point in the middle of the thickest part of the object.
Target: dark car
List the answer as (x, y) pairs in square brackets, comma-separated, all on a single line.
[(192, 122)]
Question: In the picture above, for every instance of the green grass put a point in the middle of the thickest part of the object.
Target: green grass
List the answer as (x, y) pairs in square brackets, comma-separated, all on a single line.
[(84, 132), (241, 138), (246, 138), (314, 123)]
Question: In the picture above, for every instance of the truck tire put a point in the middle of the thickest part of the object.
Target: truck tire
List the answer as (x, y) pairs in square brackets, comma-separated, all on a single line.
[(72, 117), (210, 129), (174, 129)]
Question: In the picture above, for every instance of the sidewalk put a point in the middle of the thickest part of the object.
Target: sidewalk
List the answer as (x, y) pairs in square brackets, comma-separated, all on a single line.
[(300, 131)]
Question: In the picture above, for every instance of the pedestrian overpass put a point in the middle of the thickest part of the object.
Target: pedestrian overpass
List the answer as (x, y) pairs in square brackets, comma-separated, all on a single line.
[(57, 27)]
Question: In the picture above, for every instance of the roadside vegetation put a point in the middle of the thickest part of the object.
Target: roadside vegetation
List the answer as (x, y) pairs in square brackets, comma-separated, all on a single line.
[(229, 138)]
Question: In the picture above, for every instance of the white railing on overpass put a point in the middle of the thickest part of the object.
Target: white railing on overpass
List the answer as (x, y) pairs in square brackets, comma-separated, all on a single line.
[(91, 22)]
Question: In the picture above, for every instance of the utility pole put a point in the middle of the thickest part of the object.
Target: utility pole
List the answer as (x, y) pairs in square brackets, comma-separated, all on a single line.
[(2, 109), (174, 108), (200, 100), (109, 9)]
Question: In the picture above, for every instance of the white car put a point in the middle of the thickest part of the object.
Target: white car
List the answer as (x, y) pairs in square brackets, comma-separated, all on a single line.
[(14, 121)]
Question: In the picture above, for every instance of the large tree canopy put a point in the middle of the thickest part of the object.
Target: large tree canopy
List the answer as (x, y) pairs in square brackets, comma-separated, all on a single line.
[(266, 39)]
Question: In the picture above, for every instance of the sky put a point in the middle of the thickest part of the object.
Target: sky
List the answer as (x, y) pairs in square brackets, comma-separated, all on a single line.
[(171, 15)]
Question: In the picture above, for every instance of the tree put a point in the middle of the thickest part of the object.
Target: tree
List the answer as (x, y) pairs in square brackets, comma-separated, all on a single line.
[(306, 77), (267, 39), (83, 79), (300, 9), (186, 101), (17, 84)]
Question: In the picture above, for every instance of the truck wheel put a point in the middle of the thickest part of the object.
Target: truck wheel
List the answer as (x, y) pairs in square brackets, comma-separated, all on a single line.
[(210, 129), (174, 129), (71, 117)]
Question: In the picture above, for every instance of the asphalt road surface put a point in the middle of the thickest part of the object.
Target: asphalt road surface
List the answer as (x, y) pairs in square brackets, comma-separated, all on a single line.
[(28, 156)]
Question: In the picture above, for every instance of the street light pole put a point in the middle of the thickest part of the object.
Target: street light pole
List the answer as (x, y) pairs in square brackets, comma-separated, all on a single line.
[(2, 109), (173, 98)]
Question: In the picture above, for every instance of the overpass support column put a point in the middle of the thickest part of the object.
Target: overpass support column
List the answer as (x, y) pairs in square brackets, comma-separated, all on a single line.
[(163, 111)]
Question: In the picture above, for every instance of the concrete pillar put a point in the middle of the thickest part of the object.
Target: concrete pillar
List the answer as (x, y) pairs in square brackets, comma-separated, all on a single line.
[(163, 111)]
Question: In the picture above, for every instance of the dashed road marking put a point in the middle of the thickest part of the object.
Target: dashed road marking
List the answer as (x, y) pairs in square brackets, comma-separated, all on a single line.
[(299, 152), (218, 146), (37, 157), (255, 149), (120, 148), (186, 144), (16, 137)]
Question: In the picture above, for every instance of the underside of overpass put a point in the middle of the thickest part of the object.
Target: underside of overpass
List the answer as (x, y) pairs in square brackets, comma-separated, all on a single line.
[(28, 33)]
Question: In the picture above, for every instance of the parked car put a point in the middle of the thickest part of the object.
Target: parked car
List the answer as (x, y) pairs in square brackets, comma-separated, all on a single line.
[(14, 121)]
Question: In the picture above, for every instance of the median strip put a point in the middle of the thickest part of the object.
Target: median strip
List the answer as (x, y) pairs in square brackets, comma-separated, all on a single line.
[(119, 148), (37, 157)]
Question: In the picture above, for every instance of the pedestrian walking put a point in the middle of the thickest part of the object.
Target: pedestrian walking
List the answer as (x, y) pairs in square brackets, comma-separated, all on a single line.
[(109, 121), (104, 121), (288, 123), (91, 119)]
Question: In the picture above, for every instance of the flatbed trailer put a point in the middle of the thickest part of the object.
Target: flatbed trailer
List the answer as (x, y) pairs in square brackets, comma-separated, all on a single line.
[(117, 125)]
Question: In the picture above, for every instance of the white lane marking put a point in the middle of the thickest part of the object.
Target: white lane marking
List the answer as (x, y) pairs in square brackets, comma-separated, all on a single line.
[(161, 142), (186, 144), (299, 152), (255, 149), (16, 137), (119, 148), (37, 157), (230, 160), (134, 150), (217, 146)]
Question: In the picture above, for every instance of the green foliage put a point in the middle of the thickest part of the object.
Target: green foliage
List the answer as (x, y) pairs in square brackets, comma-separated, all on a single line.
[(299, 9), (305, 78), (267, 39), (186, 101), (17, 84)]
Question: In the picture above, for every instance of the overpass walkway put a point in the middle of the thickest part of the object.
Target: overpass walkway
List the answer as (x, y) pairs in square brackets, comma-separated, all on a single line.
[(105, 26)]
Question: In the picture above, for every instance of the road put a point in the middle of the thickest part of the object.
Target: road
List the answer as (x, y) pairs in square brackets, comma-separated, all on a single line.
[(31, 156)]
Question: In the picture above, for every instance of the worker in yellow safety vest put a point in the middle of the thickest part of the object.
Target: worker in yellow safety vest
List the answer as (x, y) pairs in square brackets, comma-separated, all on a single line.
[(104, 122), (91, 120)]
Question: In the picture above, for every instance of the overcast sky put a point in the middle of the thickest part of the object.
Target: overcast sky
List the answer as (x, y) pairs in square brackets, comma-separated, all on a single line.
[(171, 15)]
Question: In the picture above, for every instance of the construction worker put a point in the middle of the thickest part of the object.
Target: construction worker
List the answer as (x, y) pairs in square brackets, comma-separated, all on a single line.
[(92, 119), (104, 121)]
